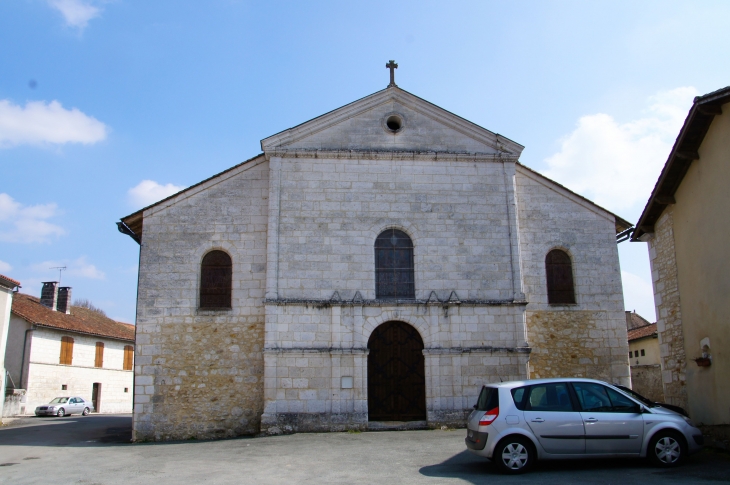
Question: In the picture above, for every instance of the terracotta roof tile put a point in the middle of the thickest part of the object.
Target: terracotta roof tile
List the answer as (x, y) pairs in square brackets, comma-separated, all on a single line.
[(80, 320), (641, 332), (10, 280)]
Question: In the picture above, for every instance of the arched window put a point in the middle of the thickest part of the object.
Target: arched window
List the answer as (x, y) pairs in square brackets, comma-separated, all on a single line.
[(559, 271), (215, 280), (394, 266)]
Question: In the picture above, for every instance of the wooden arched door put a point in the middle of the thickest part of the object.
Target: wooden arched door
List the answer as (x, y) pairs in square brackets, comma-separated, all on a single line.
[(396, 374)]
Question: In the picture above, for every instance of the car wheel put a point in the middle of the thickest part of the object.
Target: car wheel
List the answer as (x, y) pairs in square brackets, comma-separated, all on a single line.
[(514, 455), (85, 412), (61, 413), (666, 449)]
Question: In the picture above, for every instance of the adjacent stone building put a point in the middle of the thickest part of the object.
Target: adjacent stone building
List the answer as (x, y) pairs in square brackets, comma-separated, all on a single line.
[(56, 349), (646, 369), (377, 264), (685, 223)]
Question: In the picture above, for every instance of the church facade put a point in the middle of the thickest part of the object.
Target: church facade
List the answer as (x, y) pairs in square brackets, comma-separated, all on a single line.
[(377, 264)]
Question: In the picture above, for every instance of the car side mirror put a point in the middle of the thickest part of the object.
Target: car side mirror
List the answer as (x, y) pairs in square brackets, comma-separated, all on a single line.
[(474, 406)]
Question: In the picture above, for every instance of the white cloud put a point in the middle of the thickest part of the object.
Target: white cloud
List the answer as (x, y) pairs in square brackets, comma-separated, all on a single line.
[(27, 224), (5, 267), (78, 267), (40, 123), (638, 295), (148, 192), (76, 13), (616, 164)]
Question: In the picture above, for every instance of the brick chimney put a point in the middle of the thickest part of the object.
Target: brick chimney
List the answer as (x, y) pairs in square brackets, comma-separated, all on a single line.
[(49, 294), (64, 299)]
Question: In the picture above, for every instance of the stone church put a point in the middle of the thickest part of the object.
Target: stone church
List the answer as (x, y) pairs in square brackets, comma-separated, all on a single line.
[(372, 268)]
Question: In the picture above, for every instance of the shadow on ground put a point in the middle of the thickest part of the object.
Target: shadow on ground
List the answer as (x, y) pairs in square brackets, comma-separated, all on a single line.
[(706, 466), (93, 430)]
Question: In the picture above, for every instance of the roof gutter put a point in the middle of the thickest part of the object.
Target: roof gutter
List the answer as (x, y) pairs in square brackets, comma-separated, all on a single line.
[(124, 229)]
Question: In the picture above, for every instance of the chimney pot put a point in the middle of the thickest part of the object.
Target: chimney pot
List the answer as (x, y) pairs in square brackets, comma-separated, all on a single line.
[(64, 299), (49, 294)]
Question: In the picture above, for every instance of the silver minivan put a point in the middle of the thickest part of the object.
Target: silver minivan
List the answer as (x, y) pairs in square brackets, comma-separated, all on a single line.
[(514, 424)]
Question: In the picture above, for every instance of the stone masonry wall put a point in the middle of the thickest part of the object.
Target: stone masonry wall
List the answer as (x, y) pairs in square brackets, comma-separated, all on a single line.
[(571, 344), (327, 212), (587, 338), (647, 381), (199, 373), (465, 347), (668, 309)]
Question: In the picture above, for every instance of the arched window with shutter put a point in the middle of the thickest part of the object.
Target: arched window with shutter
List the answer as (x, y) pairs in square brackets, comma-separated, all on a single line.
[(216, 276), (394, 274), (559, 271)]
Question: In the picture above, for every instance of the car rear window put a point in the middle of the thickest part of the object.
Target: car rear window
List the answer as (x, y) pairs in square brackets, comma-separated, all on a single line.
[(488, 399), (518, 396)]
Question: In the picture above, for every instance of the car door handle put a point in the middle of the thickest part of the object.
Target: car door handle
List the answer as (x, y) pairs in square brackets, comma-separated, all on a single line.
[(538, 420), (591, 420)]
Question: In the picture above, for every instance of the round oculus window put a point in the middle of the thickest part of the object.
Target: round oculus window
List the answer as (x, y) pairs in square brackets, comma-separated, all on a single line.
[(393, 122)]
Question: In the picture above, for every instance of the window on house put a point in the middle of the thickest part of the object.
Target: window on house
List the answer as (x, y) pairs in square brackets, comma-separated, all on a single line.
[(559, 271), (394, 274), (128, 357), (631, 354), (99, 359), (64, 387), (126, 389), (67, 351), (216, 276), (642, 352)]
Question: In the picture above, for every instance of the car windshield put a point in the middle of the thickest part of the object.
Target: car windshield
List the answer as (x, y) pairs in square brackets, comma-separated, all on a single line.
[(638, 396), (59, 400)]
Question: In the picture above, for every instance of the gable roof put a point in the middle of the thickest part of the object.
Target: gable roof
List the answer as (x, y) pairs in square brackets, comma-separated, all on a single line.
[(620, 223), (80, 320), (496, 142), (683, 153), (634, 320), (642, 332), (134, 221)]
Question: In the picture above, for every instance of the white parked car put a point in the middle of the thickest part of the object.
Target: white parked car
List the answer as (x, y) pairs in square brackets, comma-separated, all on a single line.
[(516, 423), (62, 406)]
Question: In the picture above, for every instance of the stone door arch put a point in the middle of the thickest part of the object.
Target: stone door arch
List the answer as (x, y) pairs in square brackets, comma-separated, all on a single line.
[(396, 374)]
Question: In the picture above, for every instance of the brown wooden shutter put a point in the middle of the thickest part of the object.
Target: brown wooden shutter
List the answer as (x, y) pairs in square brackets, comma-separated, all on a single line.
[(128, 357), (99, 359), (215, 280), (559, 272), (67, 351)]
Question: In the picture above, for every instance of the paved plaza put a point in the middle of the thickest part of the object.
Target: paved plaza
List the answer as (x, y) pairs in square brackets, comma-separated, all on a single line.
[(96, 450)]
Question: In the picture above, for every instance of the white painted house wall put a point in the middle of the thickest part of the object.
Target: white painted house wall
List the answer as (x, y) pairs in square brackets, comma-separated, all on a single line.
[(46, 375)]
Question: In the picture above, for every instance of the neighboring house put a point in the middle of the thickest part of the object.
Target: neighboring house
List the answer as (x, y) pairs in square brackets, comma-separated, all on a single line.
[(7, 286), (646, 369), (56, 349), (687, 227), (377, 264)]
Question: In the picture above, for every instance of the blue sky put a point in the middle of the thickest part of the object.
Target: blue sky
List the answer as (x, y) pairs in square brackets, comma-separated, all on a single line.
[(108, 105)]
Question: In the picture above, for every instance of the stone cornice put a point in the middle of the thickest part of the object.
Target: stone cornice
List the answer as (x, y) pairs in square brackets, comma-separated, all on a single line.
[(427, 351), (389, 155), (322, 303)]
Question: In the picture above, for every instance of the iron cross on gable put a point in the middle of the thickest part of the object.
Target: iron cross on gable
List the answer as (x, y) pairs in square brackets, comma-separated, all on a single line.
[(392, 66)]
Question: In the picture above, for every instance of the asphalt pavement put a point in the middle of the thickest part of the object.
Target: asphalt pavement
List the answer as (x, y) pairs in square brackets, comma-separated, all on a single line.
[(96, 450)]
